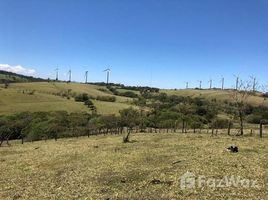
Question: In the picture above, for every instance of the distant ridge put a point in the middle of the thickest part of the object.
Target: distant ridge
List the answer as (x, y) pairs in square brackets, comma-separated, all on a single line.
[(10, 77)]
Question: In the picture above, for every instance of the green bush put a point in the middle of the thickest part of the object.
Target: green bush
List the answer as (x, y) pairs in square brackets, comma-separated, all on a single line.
[(254, 118), (81, 97), (220, 123), (129, 94), (106, 98)]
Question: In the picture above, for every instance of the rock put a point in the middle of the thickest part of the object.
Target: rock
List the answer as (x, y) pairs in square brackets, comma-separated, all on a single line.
[(233, 149), (176, 162), (155, 181)]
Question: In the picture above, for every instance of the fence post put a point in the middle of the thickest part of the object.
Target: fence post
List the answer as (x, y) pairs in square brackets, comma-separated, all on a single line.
[(261, 130)]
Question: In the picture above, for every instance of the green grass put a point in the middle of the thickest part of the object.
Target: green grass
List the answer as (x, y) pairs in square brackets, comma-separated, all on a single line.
[(102, 167), (13, 99), (12, 78), (110, 107), (125, 90), (219, 95)]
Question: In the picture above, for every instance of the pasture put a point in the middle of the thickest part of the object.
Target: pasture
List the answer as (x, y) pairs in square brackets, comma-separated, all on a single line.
[(16, 98), (148, 168), (219, 95)]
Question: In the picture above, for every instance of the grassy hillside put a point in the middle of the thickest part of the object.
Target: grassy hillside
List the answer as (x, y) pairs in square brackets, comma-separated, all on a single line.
[(9, 77), (219, 95), (17, 98), (102, 167), (44, 96)]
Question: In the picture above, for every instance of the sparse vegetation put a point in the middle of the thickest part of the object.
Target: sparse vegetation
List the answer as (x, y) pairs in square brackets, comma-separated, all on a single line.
[(169, 118), (102, 167), (106, 98)]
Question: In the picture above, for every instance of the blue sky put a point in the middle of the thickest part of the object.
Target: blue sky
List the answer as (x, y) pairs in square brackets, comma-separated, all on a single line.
[(161, 43)]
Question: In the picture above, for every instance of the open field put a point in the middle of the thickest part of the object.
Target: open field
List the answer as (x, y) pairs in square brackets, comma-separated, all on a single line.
[(14, 100), (215, 94), (102, 167), (125, 90)]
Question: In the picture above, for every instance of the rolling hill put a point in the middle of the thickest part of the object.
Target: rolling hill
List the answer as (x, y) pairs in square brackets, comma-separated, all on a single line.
[(45, 96), (10, 77), (26, 93), (216, 94)]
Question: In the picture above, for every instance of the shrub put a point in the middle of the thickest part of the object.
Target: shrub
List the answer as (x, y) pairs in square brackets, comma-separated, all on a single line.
[(81, 97), (106, 98), (90, 105), (265, 95), (220, 123), (32, 92), (254, 119), (129, 94)]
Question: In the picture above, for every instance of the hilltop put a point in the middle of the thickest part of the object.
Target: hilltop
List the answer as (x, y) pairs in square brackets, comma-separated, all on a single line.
[(257, 99), (51, 96), (25, 93), (10, 77)]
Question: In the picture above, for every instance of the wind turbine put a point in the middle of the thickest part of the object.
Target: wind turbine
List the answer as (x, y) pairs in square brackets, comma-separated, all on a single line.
[(86, 76), (237, 82), (108, 75), (222, 83), (200, 85), (70, 75), (210, 84), (254, 83), (187, 85), (57, 73)]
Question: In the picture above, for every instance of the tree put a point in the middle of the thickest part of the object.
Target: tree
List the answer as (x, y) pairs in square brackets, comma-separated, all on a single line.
[(129, 117), (5, 131), (185, 111), (37, 130), (82, 97), (240, 97), (21, 121), (77, 121), (91, 106), (53, 129), (221, 124), (6, 84), (95, 124), (195, 122)]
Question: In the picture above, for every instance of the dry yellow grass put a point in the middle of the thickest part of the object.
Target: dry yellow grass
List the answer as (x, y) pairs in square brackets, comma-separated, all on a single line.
[(102, 167), (13, 99), (215, 94)]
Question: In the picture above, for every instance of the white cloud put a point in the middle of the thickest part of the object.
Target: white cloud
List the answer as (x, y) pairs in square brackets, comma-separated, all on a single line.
[(18, 69)]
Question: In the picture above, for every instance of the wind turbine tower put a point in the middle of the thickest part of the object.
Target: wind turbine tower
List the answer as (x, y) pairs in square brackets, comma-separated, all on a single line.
[(200, 85), (187, 85), (254, 84), (222, 83), (237, 82), (70, 75), (86, 76), (210, 84), (57, 73), (108, 75)]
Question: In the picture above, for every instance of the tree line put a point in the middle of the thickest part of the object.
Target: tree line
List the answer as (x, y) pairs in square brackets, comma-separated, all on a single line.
[(157, 112)]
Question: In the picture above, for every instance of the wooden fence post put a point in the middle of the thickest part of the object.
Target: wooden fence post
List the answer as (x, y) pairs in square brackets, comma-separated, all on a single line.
[(229, 128), (261, 130)]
